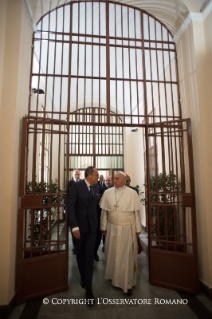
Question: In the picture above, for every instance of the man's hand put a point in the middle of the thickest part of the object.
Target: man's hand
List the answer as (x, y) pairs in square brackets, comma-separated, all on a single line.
[(76, 234), (104, 232)]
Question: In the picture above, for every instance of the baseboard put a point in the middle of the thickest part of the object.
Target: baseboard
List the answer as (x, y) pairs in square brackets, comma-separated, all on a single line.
[(205, 290), (6, 310)]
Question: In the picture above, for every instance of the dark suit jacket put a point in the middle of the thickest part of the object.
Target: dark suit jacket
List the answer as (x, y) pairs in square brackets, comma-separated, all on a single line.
[(103, 186), (82, 206)]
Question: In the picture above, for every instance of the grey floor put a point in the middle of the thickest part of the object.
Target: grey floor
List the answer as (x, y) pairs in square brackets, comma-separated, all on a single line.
[(103, 291)]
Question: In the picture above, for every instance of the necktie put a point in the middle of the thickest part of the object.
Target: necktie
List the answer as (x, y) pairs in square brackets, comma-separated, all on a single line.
[(91, 191)]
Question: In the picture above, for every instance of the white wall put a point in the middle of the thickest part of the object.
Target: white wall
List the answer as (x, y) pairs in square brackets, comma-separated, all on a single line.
[(134, 161), (15, 54), (195, 69)]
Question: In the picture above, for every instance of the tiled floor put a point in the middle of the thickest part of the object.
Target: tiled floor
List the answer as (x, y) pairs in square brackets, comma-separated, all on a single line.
[(58, 306)]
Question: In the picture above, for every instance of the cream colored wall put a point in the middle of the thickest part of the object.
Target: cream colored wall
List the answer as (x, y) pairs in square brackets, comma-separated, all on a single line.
[(134, 160), (3, 8), (195, 68), (14, 80)]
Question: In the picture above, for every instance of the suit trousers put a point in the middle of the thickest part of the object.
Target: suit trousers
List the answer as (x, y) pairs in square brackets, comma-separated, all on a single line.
[(84, 253)]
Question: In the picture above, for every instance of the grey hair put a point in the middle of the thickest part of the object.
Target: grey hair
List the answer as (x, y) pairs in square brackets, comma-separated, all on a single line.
[(89, 170)]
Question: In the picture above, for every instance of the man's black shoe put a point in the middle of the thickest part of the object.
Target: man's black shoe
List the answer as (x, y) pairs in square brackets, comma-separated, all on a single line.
[(90, 297), (96, 258), (82, 284), (129, 292)]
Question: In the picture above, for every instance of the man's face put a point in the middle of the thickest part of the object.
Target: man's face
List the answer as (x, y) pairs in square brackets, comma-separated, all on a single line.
[(101, 177), (119, 180), (108, 181), (76, 175), (93, 178), (128, 180)]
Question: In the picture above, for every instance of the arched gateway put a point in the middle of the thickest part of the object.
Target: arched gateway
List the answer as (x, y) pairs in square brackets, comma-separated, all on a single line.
[(98, 67)]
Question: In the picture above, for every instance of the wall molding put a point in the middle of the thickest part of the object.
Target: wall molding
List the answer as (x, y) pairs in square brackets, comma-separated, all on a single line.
[(30, 14), (6, 310), (193, 16)]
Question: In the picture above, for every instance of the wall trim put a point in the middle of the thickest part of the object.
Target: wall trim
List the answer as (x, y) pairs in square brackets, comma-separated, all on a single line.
[(30, 14), (182, 28), (193, 16), (6, 310), (205, 290), (207, 10)]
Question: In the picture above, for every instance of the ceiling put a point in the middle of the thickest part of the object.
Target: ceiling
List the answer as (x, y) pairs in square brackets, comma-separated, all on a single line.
[(171, 12)]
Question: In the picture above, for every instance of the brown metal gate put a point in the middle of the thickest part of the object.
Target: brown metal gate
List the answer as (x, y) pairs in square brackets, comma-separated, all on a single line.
[(42, 229), (173, 261)]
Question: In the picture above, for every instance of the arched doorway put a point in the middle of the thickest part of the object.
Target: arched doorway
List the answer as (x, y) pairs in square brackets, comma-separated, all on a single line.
[(103, 64)]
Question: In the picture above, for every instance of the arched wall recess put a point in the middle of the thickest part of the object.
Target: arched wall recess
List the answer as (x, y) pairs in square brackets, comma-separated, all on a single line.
[(103, 64)]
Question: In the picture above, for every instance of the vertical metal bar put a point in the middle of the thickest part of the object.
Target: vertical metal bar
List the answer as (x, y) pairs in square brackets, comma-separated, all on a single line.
[(148, 197), (129, 56), (39, 72), (158, 87), (178, 89), (164, 180), (32, 231), (85, 60), (94, 143), (55, 57), (164, 81), (92, 64), (123, 74), (34, 156), (107, 63), (144, 71), (23, 158), (78, 48), (99, 64), (61, 80), (31, 68), (47, 65), (170, 70), (68, 122), (136, 66)]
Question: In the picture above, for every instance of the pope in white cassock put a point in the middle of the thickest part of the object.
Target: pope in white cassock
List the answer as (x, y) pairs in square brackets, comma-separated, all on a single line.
[(121, 224)]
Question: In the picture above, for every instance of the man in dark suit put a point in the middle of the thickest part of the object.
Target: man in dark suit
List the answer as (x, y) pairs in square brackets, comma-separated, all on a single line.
[(82, 212), (101, 181), (76, 175)]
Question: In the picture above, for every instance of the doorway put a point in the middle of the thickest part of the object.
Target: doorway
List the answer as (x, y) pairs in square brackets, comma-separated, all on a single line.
[(100, 65)]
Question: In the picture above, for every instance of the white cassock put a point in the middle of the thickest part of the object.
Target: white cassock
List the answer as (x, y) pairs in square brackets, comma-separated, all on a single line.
[(120, 217)]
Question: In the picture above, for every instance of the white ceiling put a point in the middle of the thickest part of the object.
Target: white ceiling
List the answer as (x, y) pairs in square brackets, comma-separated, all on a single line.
[(171, 12)]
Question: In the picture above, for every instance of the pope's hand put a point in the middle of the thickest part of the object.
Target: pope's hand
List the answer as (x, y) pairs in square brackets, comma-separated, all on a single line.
[(76, 234), (137, 234), (104, 232)]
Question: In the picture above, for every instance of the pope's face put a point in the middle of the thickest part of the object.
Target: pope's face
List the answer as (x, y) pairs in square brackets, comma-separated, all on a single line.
[(119, 180)]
